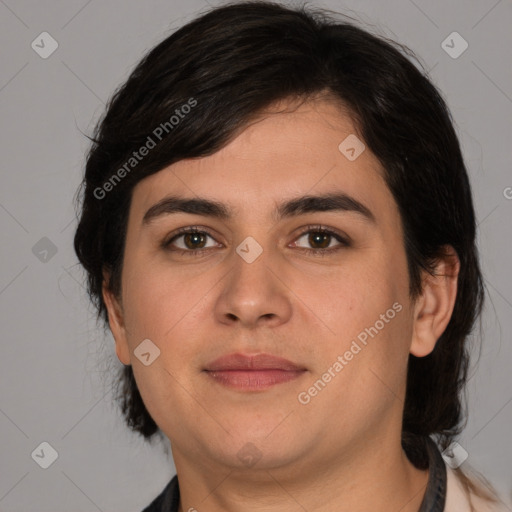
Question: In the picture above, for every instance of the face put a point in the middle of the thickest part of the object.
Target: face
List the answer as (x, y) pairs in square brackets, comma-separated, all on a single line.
[(322, 284)]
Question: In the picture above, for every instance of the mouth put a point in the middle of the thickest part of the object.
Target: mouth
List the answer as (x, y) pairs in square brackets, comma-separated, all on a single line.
[(252, 373)]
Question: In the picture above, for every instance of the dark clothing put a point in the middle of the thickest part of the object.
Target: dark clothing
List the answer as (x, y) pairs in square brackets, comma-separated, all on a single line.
[(433, 501), (168, 500)]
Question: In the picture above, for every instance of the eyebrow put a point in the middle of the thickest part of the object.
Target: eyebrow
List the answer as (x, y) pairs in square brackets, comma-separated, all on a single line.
[(298, 206)]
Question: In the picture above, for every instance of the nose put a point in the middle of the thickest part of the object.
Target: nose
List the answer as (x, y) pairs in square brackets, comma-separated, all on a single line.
[(254, 293)]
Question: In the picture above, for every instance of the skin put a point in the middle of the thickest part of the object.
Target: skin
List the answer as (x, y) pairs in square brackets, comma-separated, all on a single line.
[(341, 451)]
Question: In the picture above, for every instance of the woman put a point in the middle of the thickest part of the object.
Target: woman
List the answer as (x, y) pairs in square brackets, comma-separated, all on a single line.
[(277, 225)]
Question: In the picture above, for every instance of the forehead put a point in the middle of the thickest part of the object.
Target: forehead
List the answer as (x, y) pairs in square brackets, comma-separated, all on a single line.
[(281, 154)]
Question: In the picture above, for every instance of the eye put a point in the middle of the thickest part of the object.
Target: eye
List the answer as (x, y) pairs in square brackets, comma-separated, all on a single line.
[(190, 240), (193, 240), (321, 239)]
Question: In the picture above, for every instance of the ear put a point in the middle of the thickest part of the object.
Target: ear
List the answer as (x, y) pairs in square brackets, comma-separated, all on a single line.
[(116, 321), (433, 309)]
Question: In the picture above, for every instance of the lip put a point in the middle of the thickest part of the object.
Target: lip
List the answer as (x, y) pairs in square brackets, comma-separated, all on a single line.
[(252, 372), (251, 362)]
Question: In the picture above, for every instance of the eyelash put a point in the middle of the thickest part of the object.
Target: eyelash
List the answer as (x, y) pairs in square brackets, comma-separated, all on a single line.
[(309, 229)]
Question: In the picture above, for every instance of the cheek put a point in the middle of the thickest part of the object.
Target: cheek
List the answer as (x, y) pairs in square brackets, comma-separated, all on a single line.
[(352, 297), (365, 307), (145, 285), (164, 304)]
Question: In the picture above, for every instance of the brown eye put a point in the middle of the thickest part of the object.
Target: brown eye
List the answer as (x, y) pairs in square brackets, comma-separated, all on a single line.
[(190, 240), (321, 240), (194, 240)]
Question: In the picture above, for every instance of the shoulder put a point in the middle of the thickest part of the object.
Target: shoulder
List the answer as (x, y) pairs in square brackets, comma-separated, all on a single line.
[(461, 499)]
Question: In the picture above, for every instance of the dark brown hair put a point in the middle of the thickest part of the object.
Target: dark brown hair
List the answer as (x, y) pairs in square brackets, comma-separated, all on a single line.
[(231, 63)]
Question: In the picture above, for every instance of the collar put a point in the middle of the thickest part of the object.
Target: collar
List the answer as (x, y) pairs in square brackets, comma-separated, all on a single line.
[(435, 495)]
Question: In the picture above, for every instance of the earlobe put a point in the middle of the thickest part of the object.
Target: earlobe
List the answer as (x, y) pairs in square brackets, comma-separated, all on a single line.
[(434, 308), (116, 321)]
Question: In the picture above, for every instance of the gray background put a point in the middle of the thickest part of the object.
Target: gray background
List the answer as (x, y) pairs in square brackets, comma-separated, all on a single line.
[(55, 364)]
